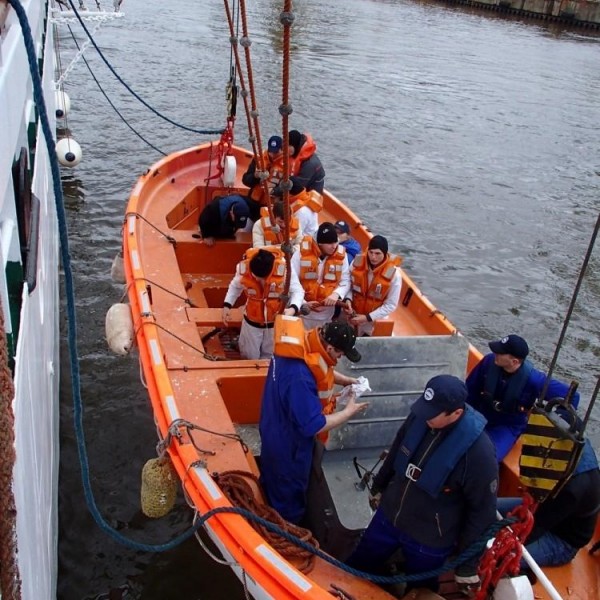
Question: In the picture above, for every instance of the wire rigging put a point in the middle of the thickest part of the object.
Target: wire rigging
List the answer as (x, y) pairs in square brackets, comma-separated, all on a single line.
[(131, 91)]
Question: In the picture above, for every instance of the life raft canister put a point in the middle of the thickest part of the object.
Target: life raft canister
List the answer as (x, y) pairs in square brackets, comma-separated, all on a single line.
[(551, 448)]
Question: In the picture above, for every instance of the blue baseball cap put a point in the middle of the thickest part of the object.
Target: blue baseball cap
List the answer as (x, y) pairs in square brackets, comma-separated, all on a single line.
[(275, 143), (443, 393), (342, 226), (511, 344)]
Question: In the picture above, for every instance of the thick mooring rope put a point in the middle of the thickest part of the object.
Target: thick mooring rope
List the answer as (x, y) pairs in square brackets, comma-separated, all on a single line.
[(240, 493), (10, 582)]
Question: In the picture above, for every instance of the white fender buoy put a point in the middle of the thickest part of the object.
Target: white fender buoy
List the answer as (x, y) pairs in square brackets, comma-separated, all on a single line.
[(62, 103), (119, 328), (229, 171), (68, 152), (117, 270), (514, 588)]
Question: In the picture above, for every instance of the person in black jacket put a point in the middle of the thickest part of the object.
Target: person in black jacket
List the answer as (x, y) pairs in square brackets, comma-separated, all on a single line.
[(222, 217), (436, 490), (566, 523), (306, 167)]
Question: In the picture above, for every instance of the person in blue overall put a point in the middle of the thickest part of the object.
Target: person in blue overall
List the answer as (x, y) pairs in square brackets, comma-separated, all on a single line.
[(566, 523), (292, 415), (436, 490), (503, 387)]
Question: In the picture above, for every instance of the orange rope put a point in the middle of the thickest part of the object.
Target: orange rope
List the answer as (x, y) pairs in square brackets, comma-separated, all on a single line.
[(238, 64), (10, 581), (286, 18), (239, 492), (257, 146)]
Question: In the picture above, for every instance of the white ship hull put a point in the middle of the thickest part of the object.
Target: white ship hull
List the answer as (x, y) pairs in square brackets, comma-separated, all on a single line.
[(30, 300)]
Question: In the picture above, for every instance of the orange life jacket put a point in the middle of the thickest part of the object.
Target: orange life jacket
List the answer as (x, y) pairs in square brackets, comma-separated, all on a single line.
[(367, 297), (275, 168), (270, 236), (263, 301), (292, 341), (309, 270), (312, 199), (306, 151)]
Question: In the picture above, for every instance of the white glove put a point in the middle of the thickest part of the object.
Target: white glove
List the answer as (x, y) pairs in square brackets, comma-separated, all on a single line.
[(358, 388), (468, 586)]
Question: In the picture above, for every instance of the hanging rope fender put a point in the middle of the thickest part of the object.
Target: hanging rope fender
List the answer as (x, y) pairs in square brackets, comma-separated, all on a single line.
[(504, 556)]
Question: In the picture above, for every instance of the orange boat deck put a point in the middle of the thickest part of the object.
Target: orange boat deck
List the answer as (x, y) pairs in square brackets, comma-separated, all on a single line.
[(177, 285)]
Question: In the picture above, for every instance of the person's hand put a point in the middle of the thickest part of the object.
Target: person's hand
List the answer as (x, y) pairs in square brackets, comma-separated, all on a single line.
[(314, 305), (331, 299), (348, 307), (353, 407), (290, 312), (468, 585), (209, 241), (374, 500), (226, 314), (358, 319)]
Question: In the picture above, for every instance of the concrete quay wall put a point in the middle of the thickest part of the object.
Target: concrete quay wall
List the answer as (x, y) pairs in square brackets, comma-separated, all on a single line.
[(579, 13)]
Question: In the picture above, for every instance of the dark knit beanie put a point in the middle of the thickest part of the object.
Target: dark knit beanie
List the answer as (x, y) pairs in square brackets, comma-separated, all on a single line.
[(262, 263), (378, 242), (326, 234)]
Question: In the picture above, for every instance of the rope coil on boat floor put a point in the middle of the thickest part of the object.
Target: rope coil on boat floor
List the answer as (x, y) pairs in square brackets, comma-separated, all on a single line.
[(235, 486)]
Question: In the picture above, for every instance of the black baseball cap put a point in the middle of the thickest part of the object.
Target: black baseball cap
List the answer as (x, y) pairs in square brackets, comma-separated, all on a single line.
[(342, 337), (443, 393), (511, 344)]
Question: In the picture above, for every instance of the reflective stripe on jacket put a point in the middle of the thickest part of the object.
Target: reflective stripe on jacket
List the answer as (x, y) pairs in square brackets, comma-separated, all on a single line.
[(263, 300), (315, 287), (270, 236), (366, 296), (291, 341), (275, 169)]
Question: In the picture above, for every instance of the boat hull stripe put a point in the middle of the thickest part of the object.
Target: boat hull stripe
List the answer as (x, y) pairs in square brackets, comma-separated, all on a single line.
[(284, 568), (208, 483), (156, 357), (173, 411)]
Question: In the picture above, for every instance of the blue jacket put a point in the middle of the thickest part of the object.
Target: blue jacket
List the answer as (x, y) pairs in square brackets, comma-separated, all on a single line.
[(502, 410), (352, 248), (291, 416), (466, 505)]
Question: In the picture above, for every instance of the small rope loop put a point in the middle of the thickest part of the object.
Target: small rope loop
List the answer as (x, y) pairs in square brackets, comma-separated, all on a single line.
[(233, 40), (245, 42)]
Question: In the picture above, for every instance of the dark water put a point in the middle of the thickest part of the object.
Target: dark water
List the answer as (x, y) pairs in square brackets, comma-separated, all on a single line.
[(470, 141)]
